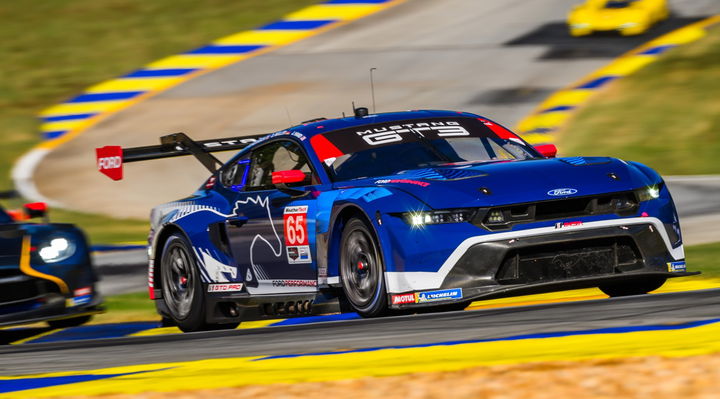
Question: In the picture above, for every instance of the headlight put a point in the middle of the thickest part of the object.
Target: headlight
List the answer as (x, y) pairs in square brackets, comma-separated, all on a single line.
[(628, 25), (648, 193), (419, 219), (580, 25), (58, 249)]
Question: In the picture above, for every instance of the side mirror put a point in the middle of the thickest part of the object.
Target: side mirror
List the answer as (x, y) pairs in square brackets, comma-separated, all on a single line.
[(288, 176), (546, 150), (282, 178), (35, 210)]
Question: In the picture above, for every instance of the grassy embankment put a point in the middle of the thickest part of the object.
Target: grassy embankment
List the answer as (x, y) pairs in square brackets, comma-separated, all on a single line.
[(55, 49), (666, 115)]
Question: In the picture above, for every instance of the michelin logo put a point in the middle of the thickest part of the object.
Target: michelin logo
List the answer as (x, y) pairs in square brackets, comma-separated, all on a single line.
[(441, 295), (676, 266)]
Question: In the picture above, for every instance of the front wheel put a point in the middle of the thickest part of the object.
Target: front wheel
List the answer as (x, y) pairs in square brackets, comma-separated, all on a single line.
[(362, 270), (627, 288)]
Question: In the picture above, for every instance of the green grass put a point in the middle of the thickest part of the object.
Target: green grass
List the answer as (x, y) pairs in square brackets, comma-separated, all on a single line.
[(704, 258), (126, 308), (666, 115), (53, 49)]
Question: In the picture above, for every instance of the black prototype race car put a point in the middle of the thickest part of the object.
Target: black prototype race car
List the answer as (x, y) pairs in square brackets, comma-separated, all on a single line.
[(45, 271)]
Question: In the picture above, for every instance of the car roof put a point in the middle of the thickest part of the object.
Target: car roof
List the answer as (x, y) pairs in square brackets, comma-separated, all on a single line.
[(311, 129)]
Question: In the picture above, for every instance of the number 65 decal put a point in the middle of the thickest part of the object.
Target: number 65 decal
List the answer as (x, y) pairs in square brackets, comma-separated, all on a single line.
[(295, 222)]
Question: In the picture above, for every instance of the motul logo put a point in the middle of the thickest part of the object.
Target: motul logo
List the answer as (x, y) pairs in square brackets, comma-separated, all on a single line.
[(109, 161), (403, 298)]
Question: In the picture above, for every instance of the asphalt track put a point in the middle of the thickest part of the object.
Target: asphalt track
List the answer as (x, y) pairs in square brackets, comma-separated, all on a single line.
[(647, 310)]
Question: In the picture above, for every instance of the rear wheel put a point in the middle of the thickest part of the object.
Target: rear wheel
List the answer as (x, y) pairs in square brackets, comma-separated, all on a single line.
[(182, 288), (627, 288), (362, 270)]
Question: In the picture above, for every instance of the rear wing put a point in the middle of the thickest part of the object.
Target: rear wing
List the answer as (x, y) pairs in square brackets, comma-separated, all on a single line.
[(110, 159)]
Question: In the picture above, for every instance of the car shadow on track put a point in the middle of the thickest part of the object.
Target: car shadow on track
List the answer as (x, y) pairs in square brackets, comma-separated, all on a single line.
[(598, 45), (10, 335)]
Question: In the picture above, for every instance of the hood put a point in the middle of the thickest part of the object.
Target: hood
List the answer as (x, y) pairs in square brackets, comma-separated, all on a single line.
[(511, 182)]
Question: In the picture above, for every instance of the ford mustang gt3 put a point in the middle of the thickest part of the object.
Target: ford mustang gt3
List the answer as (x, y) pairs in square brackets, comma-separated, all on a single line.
[(397, 212)]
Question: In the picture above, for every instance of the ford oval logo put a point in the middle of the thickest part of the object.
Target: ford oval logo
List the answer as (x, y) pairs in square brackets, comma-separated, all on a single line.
[(562, 191)]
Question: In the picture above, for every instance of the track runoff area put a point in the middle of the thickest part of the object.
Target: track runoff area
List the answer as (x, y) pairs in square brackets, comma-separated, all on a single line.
[(668, 340)]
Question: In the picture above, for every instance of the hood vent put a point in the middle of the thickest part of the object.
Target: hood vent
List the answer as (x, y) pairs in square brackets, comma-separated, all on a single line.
[(446, 174), (581, 161)]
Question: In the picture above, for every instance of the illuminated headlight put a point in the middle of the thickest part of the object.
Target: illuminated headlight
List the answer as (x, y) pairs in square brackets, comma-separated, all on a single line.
[(418, 219), (648, 193), (58, 249), (495, 217)]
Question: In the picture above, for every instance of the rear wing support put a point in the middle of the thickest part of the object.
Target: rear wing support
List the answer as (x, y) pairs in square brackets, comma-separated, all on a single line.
[(110, 159)]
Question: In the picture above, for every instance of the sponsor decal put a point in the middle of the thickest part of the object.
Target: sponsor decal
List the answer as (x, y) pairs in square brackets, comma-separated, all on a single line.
[(676, 266), (562, 191), (296, 237), (440, 295), (227, 142), (560, 225), (80, 300), (224, 287), (109, 161), (210, 183), (82, 291), (294, 283), (403, 298), (248, 275), (406, 181)]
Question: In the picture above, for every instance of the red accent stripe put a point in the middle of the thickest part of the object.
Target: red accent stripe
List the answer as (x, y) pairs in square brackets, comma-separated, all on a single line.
[(499, 130), (324, 148)]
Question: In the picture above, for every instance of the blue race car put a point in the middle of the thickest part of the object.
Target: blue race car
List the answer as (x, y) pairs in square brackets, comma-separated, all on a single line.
[(397, 212), (45, 271)]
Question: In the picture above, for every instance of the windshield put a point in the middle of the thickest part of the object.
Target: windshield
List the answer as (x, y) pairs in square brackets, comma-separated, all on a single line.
[(388, 148), (618, 3)]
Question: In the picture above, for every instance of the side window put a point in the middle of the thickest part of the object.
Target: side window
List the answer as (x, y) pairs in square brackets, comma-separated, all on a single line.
[(274, 157), (234, 174)]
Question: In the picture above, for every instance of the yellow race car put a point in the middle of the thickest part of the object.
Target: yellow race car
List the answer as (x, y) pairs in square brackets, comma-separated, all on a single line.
[(629, 17)]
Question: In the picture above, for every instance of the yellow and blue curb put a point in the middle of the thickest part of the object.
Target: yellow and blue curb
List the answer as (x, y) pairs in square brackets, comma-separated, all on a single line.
[(84, 110), (550, 116), (152, 328), (666, 340)]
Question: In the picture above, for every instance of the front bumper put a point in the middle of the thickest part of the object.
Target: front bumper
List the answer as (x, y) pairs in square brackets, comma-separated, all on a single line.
[(546, 259), (47, 307)]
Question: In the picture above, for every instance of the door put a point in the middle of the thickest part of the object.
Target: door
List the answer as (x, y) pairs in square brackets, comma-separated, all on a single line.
[(272, 233)]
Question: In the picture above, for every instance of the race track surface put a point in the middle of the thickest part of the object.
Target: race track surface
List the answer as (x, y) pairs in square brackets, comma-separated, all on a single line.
[(647, 310), (498, 58)]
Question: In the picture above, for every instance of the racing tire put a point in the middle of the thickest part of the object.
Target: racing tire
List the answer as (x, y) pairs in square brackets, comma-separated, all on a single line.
[(71, 322), (627, 288), (182, 287), (362, 270)]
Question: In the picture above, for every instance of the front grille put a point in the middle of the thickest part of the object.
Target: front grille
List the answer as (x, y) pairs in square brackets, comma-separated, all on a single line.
[(10, 245), (23, 288), (569, 260), (504, 217)]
